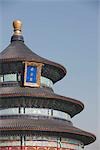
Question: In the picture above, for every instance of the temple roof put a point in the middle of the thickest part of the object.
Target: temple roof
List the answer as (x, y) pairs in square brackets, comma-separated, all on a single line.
[(18, 51), (12, 95), (51, 126), (45, 98)]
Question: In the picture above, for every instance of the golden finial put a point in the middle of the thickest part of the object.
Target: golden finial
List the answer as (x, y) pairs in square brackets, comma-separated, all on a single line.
[(17, 25)]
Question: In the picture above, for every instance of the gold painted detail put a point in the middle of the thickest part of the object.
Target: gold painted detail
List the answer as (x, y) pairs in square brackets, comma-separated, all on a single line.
[(17, 25), (38, 74)]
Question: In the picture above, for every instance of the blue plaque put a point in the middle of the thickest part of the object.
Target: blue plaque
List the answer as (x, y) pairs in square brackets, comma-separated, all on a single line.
[(31, 74)]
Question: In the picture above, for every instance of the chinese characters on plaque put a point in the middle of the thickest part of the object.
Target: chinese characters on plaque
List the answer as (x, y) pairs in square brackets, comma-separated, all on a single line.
[(32, 74)]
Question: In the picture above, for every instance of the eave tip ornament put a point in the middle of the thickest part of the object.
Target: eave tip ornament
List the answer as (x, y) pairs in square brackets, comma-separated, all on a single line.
[(17, 25)]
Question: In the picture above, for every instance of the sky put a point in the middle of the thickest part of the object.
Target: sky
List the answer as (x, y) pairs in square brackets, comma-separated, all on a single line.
[(67, 32)]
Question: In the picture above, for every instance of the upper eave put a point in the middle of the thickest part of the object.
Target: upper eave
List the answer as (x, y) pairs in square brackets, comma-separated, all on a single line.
[(17, 51)]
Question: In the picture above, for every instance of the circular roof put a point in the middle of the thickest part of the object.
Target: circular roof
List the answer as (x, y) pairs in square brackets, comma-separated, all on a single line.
[(45, 98), (50, 126), (18, 51)]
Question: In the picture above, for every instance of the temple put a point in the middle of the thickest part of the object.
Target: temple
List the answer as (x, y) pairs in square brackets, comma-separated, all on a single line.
[(32, 115)]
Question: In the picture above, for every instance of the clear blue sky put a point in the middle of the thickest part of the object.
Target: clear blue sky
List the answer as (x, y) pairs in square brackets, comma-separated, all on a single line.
[(65, 31)]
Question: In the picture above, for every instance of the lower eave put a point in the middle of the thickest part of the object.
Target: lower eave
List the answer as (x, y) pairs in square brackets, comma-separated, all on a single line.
[(47, 126)]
